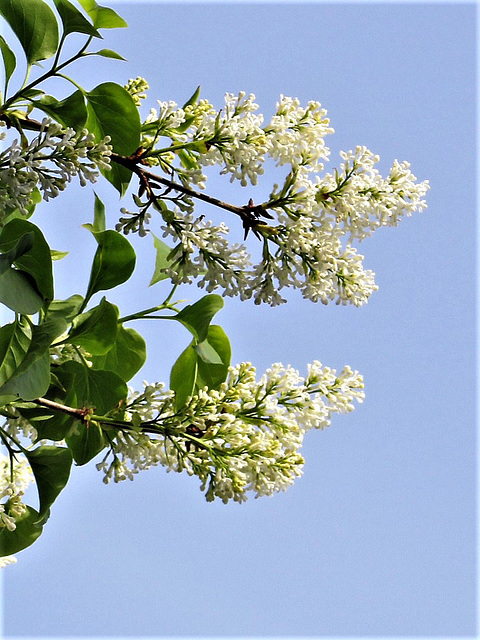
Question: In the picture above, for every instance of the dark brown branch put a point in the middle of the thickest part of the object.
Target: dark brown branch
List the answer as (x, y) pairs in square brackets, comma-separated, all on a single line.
[(249, 213)]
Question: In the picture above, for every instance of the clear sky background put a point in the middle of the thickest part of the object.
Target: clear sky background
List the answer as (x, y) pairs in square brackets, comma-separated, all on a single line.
[(378, 537)]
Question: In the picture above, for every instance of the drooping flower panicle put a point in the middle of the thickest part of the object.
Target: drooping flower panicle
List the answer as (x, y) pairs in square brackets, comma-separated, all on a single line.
[(244, 436)]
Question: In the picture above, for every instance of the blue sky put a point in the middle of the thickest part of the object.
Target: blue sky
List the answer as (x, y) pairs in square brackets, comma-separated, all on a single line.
[(378, 537)]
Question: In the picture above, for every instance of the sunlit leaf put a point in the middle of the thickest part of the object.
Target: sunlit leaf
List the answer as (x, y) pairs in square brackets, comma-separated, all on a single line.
[(212, 374), (107, 53), (102, 17), (196, 317), (162, 260), (35, 25), (73, 21)]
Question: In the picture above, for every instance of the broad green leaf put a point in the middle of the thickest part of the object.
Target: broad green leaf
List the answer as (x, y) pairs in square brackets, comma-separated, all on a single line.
[(162, 260), (86, 442), (112, 112), (30, 383), (100, 390), (51, 467), (196, 317), (14, 342), (218, 339), (102, 17), (207, 353), (37, 260), (113, 263), (32, 378), (107, 53), (27, 531), (127, 355), (95, 330), (24, 244), (73, 21), (183, 375), (35, 25), (69, 112), (210, 374), (9, 61), (66, 309), (59, 424), (19, 293)]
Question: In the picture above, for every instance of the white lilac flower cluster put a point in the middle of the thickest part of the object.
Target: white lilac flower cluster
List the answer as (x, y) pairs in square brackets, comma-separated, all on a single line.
[(309, 244), (243, 437), (13, 484), (47, 164)]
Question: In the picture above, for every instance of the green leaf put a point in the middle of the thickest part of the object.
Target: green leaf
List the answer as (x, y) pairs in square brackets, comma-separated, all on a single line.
[(9, 61), (184, 375), (51, 467), (66, 309), (23, 245), (35, 25), (207, 353), (113, 264), (102, 17), (19, 293), (210, 374), (99, 222), (69, 112), (186, 158), (32, 378), (58, 255), (73, 21), (86, 442), (15, 340), (127, 355), (162, 260), (193, 99), (27, 531), (37, 260), (59, 424), (196, 317), (112, 112), (107, 53), (100, 390), (95, 330)]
